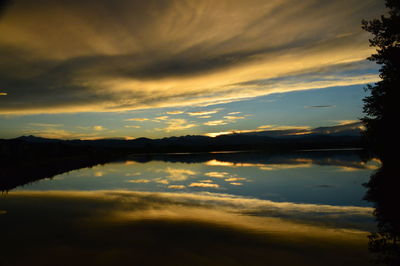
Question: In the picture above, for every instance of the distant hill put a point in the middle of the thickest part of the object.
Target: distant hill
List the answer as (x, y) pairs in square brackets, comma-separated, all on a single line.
[(341, 136)]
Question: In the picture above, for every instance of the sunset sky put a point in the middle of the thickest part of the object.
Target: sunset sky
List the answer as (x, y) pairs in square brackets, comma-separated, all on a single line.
[(131, 68)]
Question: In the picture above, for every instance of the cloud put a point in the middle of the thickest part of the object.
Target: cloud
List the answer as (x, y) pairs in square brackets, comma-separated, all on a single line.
[(130, 126), (177, 112), (346, 226), (177, 186), (231, 117), (175, 174), (129, 55), (139, 181), (162, 181), (56, 133), (205, 185), (232, 179), (177, 124), (202, 113), (216, 134), (267, 129), (98, 128), (215, 123), (45, 125), (217, 174), (348, 122), (98, 174), (165, 117), (137, 119)]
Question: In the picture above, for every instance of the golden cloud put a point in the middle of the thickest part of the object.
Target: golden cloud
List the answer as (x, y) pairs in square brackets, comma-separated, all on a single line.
[(205, 185), (231, 117), (177, 186), (137, 119), (203, 113), (175, 174), (176, 124), (126, 55), (217, 174), (98, 128), (139, 181), (232, 179), (177, 112), (215, 123)]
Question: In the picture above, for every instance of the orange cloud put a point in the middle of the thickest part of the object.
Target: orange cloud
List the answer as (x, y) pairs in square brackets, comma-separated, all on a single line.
[(205, 185)]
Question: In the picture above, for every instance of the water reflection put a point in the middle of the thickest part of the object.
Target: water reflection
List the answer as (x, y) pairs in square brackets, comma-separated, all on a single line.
[(383, 192), (143, 228), (243, 208), (308, 177)]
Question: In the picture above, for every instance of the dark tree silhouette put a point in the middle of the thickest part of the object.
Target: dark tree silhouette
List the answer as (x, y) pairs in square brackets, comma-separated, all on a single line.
[(384, 193), (379, 107)]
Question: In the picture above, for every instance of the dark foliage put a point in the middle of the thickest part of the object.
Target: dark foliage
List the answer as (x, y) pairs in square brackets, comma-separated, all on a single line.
[(379, 106), (383, 192)]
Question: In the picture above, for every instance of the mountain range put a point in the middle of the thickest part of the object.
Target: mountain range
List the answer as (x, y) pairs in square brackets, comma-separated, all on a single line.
[(321, 137)]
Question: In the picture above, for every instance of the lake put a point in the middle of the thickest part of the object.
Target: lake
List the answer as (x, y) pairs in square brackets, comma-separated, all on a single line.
[(221, 208)]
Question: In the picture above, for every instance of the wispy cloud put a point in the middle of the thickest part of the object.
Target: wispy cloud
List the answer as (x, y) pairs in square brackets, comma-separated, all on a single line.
[(164, 117), (45, 125), (231, 117), (347, 122), (176, 174), (139, 181), (233, 179), (200, 57), (177, 124), (56, 133), (177, 112), (289, 130), (217, 174), (137, 119), (204, 185), (236, 184), (177, 186), (215, 123), (99, 128), (202, 113)]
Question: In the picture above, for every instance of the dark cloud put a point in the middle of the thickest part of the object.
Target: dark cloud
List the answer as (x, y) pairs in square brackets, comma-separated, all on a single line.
[(113, 55), (3, 6)]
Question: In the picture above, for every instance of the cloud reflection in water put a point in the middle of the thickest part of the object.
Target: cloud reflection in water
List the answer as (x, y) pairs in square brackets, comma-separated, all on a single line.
[(201, 227)]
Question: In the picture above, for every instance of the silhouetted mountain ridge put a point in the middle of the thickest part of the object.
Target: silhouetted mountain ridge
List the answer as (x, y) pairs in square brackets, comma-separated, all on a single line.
[(348, 135)]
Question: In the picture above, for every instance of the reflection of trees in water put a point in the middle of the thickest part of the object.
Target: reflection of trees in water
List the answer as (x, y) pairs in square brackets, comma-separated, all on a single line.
[(384, 192)]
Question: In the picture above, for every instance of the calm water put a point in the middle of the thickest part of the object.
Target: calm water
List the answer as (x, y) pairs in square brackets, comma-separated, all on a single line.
[(301, 208)]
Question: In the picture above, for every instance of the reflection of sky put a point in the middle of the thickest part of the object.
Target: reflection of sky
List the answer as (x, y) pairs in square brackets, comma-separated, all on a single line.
[(304, 208), (108, 224), (300, 180)]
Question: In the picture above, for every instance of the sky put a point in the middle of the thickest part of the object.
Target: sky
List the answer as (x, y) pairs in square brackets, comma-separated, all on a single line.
[(130, 68)]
